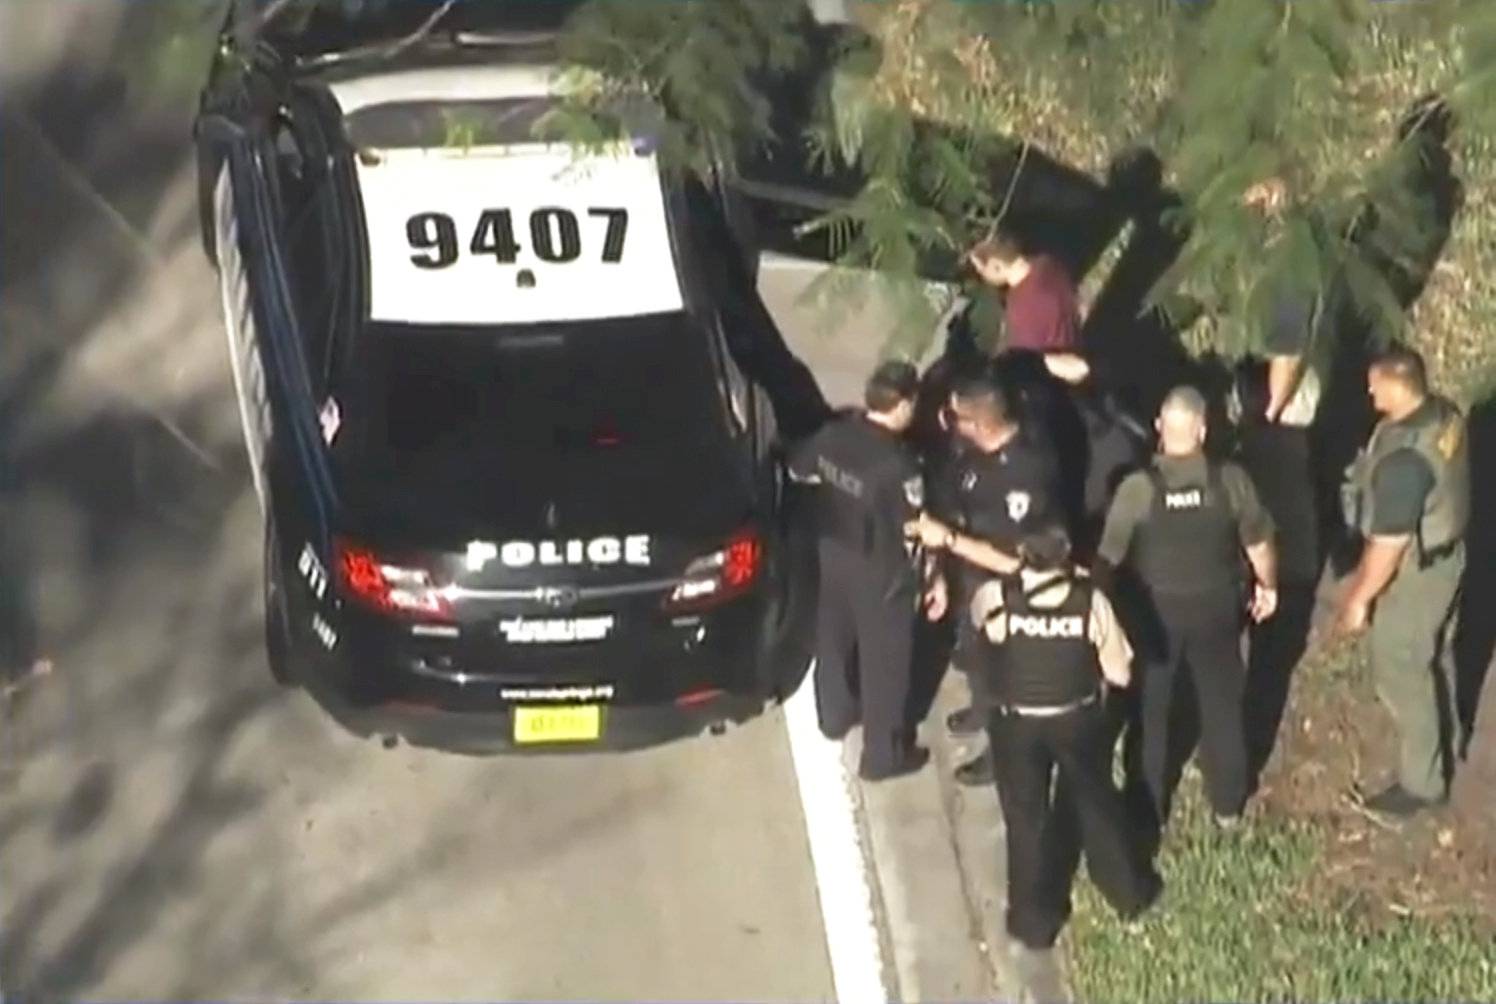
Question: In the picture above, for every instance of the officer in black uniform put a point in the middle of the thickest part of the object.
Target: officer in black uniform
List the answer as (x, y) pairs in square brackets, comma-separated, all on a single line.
[(1182, 528), (1051, 647), (871, 577), (1005, 480)]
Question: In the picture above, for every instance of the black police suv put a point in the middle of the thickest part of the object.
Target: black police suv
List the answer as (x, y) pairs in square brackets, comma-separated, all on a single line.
[(517, 489)]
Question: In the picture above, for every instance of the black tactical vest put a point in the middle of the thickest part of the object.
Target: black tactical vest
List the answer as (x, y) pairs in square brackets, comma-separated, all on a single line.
[(1047, 658), (1189, 542)]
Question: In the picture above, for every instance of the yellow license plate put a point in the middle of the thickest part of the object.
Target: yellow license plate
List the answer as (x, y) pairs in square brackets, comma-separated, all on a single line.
[(560, 724)]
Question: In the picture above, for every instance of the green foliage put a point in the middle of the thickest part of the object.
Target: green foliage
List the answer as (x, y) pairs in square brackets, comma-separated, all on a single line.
[(1474, 97), (1263, 84), (698, 62), (1241, 920), (1229, 92)]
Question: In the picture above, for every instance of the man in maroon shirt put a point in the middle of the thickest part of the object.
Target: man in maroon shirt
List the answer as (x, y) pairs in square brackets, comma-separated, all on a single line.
[(1042, 309)]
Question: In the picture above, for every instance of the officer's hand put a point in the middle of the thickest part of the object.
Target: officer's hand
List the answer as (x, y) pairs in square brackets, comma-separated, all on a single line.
[(930, 531), (937, 599), (1264, 603), (1352, 618), (1067, 366)]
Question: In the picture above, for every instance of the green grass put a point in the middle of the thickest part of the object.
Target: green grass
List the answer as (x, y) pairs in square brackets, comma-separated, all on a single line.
[(1241, 920)]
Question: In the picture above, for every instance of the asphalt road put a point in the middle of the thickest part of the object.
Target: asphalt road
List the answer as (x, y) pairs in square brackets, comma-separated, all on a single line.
[(174, 826)]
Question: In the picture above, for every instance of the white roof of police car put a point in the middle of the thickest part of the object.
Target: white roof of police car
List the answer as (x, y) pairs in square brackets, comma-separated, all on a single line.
[(463, 185), (444, 83)]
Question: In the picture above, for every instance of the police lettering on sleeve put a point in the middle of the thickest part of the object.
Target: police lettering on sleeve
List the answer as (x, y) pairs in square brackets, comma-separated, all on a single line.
[(1400, 484), (870, 484)]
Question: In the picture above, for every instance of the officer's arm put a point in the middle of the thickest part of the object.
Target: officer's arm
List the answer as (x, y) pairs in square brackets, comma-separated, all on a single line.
[(1112, 648), (1379, 561), (910, 503), (1128, 507), (802, 458), (1282, 380), (1401, 484), (1264, 559), (1254, 525), (981, 553)]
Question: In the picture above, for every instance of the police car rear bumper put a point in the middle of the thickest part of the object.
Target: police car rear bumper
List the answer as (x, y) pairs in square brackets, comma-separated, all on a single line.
[(646, 690), (621, 727)]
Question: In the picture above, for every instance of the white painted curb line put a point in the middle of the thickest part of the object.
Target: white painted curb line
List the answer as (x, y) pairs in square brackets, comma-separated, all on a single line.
[(836, 854)]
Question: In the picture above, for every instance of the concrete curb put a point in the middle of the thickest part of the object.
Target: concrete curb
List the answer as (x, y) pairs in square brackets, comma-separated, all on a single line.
[(937, 856), (932, 942)]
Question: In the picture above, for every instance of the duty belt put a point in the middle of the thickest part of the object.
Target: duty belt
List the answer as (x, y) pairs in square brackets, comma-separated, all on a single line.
[(1049, 710)]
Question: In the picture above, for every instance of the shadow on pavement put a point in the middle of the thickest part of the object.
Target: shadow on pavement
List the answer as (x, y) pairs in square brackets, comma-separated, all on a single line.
[(121, 473)]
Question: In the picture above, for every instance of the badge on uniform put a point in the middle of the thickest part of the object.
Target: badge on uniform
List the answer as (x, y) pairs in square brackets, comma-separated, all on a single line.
[(1018, 505), (914, 492)]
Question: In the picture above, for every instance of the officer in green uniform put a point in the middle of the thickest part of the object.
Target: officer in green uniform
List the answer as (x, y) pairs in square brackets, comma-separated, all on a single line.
[(1409, 495)]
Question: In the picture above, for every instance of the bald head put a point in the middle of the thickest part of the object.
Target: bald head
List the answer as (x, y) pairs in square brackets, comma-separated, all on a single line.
[(1181, 422)]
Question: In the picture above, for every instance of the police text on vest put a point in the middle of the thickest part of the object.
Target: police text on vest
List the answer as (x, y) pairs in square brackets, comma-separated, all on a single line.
[(1035, 626), (1192, 499)]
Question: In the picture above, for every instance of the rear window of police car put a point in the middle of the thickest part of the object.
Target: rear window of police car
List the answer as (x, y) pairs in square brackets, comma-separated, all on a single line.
[(445, 122), (487, 397)]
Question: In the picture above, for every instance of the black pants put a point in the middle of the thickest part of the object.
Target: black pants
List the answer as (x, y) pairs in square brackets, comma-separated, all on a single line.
[(1041, 827), (864, 650), (1277, 645), (1281, 464), (1202, 632)]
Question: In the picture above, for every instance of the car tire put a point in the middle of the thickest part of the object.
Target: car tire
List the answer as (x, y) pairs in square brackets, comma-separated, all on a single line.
[(279, 641)]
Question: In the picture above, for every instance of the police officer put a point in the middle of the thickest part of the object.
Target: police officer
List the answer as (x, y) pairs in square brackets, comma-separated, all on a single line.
[(1180, 527), (1004, 481), (1410, 498), (1052, 647), (871, 587)]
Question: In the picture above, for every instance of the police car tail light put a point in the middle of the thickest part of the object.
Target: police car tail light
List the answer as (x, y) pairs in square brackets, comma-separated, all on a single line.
[(390, 588), (720, 576)]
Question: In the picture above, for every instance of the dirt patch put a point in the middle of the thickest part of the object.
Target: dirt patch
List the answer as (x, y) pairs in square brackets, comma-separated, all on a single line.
[(1335, 747)]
